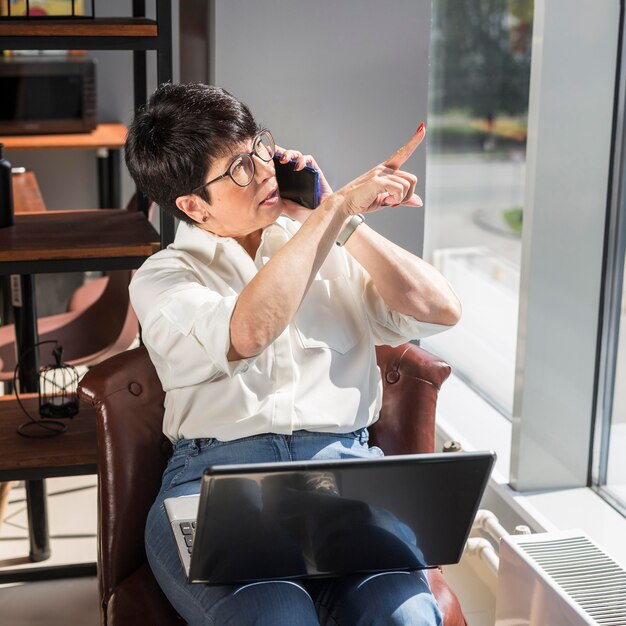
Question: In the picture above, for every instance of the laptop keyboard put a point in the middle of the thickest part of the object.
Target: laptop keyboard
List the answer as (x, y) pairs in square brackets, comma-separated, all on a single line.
[(188, 529)]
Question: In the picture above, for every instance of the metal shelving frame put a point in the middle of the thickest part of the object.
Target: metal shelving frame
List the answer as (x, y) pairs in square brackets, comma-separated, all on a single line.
[(95, 35)]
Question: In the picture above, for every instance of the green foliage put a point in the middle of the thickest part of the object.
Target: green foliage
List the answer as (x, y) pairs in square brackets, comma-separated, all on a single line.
[(481, 56), (514, 218)]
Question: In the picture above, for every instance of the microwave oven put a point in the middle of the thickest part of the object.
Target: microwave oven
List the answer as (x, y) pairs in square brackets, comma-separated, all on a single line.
[(47, 95)]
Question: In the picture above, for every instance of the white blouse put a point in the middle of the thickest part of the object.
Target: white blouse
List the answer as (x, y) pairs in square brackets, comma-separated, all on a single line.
[(320, 374)]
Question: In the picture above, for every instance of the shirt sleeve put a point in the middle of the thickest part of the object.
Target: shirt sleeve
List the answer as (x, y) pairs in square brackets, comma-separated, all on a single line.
[(388, 327), (186, 329)]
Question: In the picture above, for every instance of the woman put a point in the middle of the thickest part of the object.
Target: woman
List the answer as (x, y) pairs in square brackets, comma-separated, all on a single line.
[(262, 331)]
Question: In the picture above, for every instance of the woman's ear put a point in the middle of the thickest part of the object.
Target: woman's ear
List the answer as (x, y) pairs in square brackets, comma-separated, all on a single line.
[(193, 206)]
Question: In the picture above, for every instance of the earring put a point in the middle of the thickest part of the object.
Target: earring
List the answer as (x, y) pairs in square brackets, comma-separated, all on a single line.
[(205, 217)]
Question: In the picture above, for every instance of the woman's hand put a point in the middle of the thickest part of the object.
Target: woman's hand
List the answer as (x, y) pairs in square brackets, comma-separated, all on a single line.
[(378, 188), (382, 186), (385, 184)]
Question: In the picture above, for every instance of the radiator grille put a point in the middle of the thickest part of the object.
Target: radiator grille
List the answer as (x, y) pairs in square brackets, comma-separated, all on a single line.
[(591, 578)]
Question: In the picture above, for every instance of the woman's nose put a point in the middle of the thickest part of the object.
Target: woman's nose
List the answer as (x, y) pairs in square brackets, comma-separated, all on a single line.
[(264, 169)]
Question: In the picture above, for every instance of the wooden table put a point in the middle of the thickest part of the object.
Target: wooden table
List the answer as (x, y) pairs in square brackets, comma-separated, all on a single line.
[(26, 195), (107, 140), (70, 454)]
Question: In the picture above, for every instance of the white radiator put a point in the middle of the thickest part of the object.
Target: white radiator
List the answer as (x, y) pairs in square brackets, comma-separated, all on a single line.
[(558, 579)]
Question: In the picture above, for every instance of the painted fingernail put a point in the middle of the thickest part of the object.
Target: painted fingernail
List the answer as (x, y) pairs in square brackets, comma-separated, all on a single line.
[(420, 128), (394, 205)]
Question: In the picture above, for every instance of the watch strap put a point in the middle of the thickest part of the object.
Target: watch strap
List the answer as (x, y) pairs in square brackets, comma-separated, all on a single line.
[(346, 232)]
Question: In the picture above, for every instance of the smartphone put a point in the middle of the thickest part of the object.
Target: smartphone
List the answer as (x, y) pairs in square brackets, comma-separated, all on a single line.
[(299, 186)]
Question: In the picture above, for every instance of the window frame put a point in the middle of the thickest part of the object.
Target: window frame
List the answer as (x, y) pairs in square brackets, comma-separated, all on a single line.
[(612, 286)]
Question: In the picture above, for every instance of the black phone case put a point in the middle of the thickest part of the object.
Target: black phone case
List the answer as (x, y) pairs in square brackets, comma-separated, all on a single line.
[(300, 186)]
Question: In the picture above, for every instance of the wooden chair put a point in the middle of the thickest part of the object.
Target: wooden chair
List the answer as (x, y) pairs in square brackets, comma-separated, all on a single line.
[(133, 452)]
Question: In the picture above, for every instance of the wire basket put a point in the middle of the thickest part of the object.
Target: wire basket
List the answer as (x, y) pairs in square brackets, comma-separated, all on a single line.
[(47, 9)]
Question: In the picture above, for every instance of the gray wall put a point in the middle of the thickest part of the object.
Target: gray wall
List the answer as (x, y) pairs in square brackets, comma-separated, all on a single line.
[(345, 81)]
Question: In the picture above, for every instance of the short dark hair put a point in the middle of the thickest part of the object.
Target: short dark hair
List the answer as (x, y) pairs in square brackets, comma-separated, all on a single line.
[(175, 138)]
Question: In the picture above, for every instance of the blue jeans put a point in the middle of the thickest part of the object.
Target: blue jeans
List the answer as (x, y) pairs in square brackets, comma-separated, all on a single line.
[(387, 598)]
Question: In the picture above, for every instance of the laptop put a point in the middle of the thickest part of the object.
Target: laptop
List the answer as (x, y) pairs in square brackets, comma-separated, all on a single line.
[(312, 519)]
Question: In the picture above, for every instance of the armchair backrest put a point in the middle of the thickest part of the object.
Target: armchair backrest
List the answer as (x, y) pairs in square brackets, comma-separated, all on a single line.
[(133, 452)]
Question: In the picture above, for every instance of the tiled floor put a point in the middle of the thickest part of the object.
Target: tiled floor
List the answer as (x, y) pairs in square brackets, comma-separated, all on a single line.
[(72, 526)]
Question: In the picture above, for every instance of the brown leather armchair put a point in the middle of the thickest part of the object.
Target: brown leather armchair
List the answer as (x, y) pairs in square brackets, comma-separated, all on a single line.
[(132, 454)]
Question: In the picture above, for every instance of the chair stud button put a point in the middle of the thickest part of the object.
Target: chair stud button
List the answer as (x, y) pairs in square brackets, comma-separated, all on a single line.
[(135, 388), (392, 377)]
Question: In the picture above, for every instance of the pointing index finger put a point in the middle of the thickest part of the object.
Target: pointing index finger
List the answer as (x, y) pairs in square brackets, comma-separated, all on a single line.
[(397, 159)]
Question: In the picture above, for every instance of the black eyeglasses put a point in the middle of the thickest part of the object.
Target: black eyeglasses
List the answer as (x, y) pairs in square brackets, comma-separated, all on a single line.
[(241, 170)]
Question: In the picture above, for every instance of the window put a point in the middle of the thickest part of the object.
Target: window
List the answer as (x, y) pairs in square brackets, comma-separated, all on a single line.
[(615, 462), (480, 72), (609, 467)]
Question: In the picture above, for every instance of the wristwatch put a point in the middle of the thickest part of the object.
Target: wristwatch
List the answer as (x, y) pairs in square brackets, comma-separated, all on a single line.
[(353, 223)]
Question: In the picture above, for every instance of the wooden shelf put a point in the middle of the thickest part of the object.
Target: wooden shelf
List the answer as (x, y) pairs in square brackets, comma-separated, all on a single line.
[(73, 452), (72, 236), (110, 136), (96, 27)]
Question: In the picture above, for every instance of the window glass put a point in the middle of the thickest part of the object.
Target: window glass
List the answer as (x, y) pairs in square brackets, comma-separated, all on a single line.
[(616, 462), (478, 105)]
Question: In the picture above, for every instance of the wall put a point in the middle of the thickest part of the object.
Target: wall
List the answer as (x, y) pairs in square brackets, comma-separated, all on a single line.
[(345, 81)]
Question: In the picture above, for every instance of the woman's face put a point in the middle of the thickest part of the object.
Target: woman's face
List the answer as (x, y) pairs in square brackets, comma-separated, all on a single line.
[(237, 211)]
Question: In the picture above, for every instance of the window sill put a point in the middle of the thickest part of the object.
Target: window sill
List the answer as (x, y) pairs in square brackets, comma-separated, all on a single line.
[(462, 415)]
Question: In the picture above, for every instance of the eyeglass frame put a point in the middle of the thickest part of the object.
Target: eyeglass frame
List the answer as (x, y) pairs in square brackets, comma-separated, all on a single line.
[(251, 154)]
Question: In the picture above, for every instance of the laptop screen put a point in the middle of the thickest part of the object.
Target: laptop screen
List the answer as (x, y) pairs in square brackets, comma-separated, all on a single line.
[(316, 518)]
